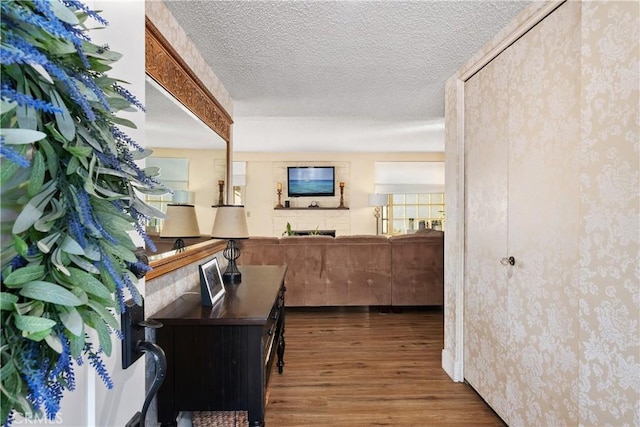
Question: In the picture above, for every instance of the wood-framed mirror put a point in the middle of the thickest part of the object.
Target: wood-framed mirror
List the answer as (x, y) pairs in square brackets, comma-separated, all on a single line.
[(168, 74)]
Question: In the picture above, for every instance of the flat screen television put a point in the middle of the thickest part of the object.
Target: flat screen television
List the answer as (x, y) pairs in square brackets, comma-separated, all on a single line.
[(310, 181)]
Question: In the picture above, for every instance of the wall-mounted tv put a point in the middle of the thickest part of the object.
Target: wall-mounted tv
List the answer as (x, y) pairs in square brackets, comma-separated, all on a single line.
[(310, 181)]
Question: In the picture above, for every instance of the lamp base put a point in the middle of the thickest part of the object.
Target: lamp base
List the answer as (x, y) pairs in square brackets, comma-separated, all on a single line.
[(231, 253), (178, 245), (231, 277)]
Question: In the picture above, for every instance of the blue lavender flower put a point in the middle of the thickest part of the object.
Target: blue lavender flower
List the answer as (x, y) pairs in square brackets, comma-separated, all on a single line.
[(10, 419), (25, 53), (147, 240), (139, 226), (45, 388), (118, 204), (32, 373), (139, 223), (52, 403), (128, 96), (76, 229), (79, 51), (119, 334), (91, 84), (144, 178), (81, 6), (64, 366), (17, 262), (86, 216), (22, 99), (135, 294), (109, 160), (49, 22), (125, 157), (116, 276), (123, 137), (11, 154), (120, 297), (101, 370), (138, 265)]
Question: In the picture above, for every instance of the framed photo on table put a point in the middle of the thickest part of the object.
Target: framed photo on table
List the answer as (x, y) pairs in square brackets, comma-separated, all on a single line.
[(211, 284)]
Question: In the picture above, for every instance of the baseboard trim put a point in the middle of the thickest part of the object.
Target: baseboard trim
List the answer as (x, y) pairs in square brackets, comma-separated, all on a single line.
[(453, 369)]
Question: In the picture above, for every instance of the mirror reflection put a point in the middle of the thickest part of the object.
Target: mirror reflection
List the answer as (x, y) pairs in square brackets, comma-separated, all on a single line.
[(192, 161)]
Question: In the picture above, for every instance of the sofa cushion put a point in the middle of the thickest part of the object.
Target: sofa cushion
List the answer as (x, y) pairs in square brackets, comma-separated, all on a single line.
[(359, 268), (418, 268), (306, 278), (260, 251)]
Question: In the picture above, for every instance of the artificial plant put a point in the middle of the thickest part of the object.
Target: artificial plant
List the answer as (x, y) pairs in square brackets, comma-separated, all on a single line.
[(70, 200)]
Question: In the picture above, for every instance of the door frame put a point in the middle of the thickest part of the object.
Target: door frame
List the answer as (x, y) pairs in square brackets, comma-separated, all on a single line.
[(453, 358)]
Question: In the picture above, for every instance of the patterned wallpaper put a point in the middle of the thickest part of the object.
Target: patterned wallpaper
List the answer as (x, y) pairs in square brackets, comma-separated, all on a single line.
[(566, 351), (609, 202)]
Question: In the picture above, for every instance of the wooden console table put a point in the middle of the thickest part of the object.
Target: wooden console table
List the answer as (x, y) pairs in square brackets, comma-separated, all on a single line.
[(219, 358)]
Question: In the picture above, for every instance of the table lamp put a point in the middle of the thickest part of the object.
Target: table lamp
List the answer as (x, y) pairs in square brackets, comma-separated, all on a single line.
[(378, 200), (231, 224), (181, 222)]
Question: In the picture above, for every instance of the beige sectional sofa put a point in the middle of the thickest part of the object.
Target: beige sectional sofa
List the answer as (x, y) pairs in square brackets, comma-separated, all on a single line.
[(403, 270)]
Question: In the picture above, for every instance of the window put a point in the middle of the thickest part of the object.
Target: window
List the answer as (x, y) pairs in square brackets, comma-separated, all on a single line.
[(416, 193), (406, 211), (174, 173)]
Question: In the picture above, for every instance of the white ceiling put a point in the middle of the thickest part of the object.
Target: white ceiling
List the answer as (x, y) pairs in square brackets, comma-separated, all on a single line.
[(339, 75)]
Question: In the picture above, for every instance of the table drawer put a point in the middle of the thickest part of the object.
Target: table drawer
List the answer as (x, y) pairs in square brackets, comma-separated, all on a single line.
[(270, 329)]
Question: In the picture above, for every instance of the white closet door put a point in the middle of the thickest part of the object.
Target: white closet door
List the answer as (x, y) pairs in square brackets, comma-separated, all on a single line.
[(486, 326), (522, 137)]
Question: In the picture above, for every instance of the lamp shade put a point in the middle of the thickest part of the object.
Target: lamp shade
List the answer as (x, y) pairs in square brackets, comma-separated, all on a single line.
[(378, 199), (230, 223), (181, 221)]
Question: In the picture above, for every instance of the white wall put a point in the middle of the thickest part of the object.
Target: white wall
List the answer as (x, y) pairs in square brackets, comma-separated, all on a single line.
[(92, 404), (261, 186), (125, 34), (337, 134)]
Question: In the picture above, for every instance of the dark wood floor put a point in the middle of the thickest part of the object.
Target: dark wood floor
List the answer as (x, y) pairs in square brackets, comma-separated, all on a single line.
[(355, 367)]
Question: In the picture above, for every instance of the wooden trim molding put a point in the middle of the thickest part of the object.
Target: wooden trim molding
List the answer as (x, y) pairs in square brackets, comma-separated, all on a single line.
[(174, 260), (165, 66), (542, 12)]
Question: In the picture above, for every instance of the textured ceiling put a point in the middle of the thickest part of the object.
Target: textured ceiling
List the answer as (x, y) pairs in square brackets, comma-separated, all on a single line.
[(362, 60)]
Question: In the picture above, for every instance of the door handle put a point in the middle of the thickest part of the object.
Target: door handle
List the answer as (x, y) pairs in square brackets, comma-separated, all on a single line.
[(508, 261)]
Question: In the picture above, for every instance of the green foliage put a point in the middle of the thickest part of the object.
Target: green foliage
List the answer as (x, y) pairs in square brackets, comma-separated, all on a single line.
[(288, 231), (68, 173)]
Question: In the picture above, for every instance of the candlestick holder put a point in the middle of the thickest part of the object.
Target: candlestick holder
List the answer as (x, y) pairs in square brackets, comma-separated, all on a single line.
[(342, 195), (221, 195), (279, 191)]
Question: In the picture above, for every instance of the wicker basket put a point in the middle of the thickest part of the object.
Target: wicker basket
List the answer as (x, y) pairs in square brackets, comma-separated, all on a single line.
[(220, 419)]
